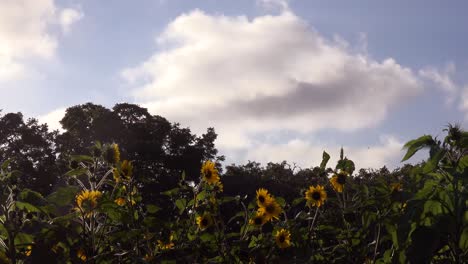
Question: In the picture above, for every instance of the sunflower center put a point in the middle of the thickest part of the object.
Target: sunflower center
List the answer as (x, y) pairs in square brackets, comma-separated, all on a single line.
[(282, 239), (270, 208), (204, 222), (261, 199), (208, 174), (316, 196), (258, 221), (341, 179)]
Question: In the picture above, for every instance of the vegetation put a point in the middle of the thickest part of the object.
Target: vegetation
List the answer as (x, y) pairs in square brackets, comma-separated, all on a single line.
[(124, 186)]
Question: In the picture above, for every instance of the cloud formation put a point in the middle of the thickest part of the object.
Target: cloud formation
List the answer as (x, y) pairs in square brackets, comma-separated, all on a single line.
[(26, 33), (306, 153), (271, 73)]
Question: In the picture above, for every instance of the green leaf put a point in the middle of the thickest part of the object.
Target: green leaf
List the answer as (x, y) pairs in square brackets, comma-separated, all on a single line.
[(27, 207), (392, 230), (325, 159), (5, 164), (151, 208), (23, 239), (462, 163), (63, 196), (181, 204), (77, 172), (281, 201), (227, 199), (433, 162), (30, 196), (417, 144), (82, 158), (171, 192), (463, 243)]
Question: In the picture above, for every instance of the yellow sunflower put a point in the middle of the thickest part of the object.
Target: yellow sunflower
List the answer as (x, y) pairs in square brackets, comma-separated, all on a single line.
[(116, 174), (271, 210), (120, 201), (87, 201), (115, 147), (204, 221), (218, 187), (28, 250), (263, 197), (316, 196), (338, 181), (283, 238), (165, 246), (127, 169), (81, 254), (209, 173), (258, 220)]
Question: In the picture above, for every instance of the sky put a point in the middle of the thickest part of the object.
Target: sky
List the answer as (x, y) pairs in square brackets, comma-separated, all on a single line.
[(278, 80)]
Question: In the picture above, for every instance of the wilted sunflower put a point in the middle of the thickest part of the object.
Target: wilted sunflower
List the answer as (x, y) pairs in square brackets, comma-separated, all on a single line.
[(87, 201), (338, 181), (316, 196), (270, 210), (204, 221), (209, 172), (263, 197), (258, 220), (283, 238)]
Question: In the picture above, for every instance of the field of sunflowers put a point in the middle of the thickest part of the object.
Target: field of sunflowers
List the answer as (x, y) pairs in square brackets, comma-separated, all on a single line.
[(417, 214)]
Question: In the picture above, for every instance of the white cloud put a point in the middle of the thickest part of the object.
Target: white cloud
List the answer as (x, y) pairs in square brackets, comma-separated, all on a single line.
[(442, 79), (269, 74), (52, 119), (69, 16), (308, 153), (282, 5), (25, 34)]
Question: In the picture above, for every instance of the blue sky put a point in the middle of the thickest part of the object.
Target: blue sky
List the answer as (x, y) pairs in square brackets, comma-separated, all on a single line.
[(277, 79)]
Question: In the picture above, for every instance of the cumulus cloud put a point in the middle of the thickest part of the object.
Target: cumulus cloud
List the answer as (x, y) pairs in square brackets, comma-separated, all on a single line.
[(307, 153), (247, 77), (442, 79), (52, 119), (69, 16), (25, 33)]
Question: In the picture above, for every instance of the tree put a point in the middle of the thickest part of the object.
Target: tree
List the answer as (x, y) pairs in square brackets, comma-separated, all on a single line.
[(30, 147)]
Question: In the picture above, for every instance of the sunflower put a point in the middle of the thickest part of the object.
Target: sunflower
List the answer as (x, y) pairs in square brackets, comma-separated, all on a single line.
[(28, 250), (316, 196), (127, 169), (263, 197), (120, 201), (258, 220), (87, 201), (338, 181), (115, 147), (116, 174), (81, 254), (165, 246), (209, 173), (218, 187), (283, 238), (271, 209), (204, 221)]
